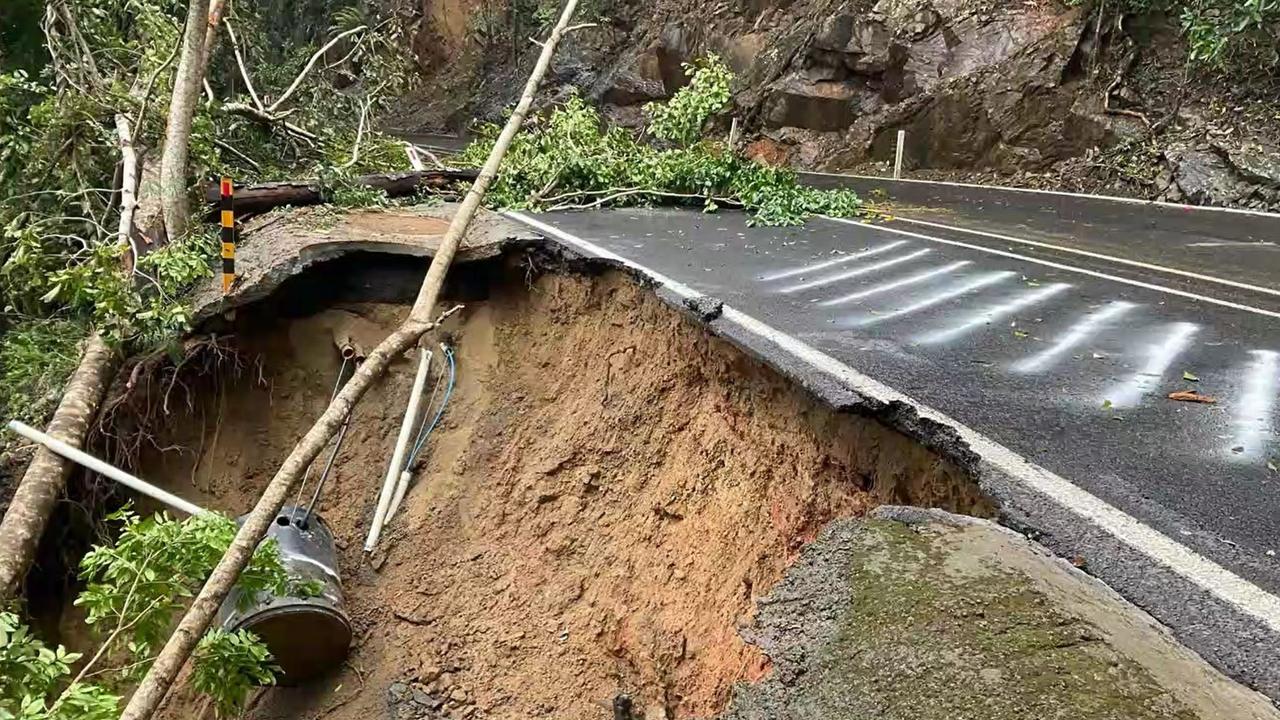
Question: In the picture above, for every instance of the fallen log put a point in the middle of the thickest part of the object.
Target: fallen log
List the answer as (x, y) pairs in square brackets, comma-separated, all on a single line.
[(261, 197), (46, 477)]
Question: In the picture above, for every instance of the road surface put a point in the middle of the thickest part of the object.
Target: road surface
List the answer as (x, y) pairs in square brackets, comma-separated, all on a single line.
[(1049, 330)]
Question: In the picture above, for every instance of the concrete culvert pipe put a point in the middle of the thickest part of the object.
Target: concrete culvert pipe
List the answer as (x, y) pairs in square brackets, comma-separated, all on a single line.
[(307, 634)]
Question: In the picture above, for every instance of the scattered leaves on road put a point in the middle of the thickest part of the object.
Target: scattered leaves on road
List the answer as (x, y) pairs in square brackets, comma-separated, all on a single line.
[(1189, 377), (1106, 404), (1192, 396), (1020, 334)]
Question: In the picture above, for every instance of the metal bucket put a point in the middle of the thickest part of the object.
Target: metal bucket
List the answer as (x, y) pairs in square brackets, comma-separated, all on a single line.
[(307, 636)]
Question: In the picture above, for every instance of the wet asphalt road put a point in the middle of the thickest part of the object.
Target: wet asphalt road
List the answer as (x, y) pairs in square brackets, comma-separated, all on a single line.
[(1063, 358), (1239, 246)]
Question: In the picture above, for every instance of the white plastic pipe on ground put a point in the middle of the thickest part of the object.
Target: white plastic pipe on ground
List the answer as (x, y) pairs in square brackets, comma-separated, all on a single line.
[(402, 486), (106, 470), (397, 456)]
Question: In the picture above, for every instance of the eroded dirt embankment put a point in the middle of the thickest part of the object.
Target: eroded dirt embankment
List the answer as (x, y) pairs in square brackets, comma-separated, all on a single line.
[(611, 490)]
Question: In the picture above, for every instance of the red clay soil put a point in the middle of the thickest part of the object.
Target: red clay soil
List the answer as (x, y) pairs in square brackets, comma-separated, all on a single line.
[(610, 491)]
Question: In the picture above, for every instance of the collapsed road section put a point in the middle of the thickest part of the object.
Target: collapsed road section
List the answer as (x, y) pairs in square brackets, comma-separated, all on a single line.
[(620, 514)]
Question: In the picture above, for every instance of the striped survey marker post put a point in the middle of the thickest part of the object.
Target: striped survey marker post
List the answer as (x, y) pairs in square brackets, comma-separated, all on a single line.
[(228, 235)]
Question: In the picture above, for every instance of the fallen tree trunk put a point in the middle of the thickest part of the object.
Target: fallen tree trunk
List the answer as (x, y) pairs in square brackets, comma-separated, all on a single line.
[(162, 674), (46, 477), (265, 196)]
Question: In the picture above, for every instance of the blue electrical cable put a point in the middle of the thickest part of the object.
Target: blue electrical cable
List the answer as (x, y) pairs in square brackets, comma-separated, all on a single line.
[(424, 432)]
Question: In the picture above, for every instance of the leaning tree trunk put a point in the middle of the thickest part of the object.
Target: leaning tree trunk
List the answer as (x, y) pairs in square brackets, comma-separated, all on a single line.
[(151, 691), (175, 205), (41, 486)]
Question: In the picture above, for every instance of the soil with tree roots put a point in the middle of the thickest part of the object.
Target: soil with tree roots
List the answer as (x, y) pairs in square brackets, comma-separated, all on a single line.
[(611, 489)]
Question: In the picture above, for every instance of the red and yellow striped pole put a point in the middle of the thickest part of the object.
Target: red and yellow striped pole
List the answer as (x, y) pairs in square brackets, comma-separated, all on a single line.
[(228, 236)]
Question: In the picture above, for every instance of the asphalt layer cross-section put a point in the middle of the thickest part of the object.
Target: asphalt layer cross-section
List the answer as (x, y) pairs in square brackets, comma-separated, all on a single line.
[(1065, 359)]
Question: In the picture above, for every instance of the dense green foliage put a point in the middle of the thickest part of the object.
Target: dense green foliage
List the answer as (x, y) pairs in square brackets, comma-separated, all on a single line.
[(58, 155), (60, 252), (1243, 34), (36, 357), (31, 673), (157, 562), (680, 120), (568, 158), (133, 592), (228, 666), (1222, 35)]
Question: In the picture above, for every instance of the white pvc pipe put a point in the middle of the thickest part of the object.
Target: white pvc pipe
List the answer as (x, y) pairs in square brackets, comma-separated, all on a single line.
[(130, 481), (397, 456), (414, 160), (402, 486), (897, 161)]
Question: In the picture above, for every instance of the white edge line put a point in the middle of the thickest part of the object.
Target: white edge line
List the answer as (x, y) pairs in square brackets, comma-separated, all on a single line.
[(1060, 266), (1201, 571), (1096, 256), (1058, 193)]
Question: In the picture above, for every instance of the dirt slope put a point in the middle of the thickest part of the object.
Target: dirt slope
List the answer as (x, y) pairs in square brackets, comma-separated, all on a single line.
[(611, 491)]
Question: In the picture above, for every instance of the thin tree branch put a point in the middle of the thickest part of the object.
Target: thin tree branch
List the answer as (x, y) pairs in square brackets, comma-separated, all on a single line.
[(231, 149), (146, 93), (270, 119), (364, 120), (639, 191), (430, 156), (311, 63), (244, 72), (355, 147)]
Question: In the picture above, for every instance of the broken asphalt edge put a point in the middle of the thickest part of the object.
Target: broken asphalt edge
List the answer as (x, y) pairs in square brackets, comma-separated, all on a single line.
[(1237, 643)]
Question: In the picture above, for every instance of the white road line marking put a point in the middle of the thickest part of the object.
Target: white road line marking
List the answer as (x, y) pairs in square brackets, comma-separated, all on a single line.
[(1265, 244), (831, 263), (819, 282), (941, 297), (1253, 420), (993, 313), (1096, 256), (1060, 266), (1076, 334), (1059, 193), (1159, 357), (1199, 570), (895, 284)]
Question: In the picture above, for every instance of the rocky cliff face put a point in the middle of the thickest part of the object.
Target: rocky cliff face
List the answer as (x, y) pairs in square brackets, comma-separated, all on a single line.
[(1038, 89)]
